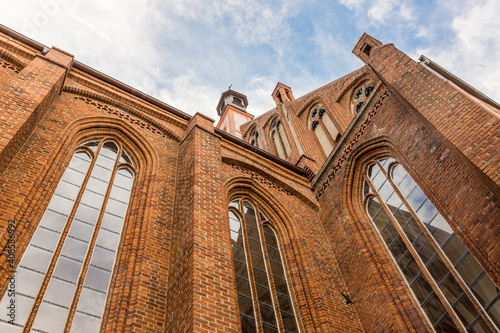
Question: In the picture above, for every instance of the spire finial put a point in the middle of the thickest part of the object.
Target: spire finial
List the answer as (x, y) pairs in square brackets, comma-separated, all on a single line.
[(230, 87)]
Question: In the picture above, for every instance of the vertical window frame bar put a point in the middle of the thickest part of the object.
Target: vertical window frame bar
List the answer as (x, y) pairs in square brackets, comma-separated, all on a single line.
[(93, 240), (64, 234), (463, 285), (415, 255), (248, 258)]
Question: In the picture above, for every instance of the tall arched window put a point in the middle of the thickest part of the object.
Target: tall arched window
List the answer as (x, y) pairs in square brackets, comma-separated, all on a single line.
[(263, 296), (324, 128), (279, 139), (64, 275), (253, 138), (451, 286)]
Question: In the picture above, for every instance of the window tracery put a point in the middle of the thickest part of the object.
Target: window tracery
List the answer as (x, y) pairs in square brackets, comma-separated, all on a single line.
[(263, 295), (325, 130), (361, 95), (279, 139), (448, 282), (69, 261)]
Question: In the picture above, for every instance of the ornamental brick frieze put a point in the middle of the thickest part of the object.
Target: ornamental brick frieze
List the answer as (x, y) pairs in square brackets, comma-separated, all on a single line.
[(348, 149)]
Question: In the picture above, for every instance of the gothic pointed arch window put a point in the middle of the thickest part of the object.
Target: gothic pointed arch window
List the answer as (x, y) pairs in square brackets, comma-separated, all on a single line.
[(278, 139), (64, 274), (450, 285), (253, 137), (361, 94), (323, 127), (264, 298)]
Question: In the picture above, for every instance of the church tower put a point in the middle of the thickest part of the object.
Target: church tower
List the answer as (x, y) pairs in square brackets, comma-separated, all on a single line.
[(232, 112)]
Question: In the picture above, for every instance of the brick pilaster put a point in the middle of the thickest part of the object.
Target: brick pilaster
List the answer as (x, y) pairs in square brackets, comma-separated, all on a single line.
[(26, 97), (201, 291)]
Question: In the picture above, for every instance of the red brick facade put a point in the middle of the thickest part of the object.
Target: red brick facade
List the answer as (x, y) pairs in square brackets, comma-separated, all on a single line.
[(174, 269)]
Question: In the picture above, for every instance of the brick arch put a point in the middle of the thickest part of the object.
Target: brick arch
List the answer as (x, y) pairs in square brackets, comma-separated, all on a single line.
[(257, 174), (287, 234), (145, 162), (253, 125), (353, 203), (356, 81), (148, 122), (13, 59)]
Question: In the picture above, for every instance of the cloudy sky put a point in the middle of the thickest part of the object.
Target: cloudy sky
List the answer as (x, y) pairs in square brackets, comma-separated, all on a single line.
[(187, 52)]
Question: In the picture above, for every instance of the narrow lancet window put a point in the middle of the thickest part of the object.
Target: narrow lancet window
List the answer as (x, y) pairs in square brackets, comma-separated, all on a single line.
[(263, 296), (69, 261), (451, 286)]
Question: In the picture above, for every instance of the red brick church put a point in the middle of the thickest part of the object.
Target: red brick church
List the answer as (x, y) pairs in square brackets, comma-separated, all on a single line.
[(368, 205)]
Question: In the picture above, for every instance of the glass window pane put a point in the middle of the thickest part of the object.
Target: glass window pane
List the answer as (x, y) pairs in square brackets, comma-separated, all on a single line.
[(80, 230), (421, 288), (235, 203), (83, 323), (45, 238), (434, 309), (112, 223), (59, 292), (108, 239), (469, 269), (74, 248), (36, 259), (103, 258), (101, 173), (61, 205), (446, 325), (239, 253), (50, 318), (246, 305), (97, 185), (455, 249), (451, 289), (123, 181), (73, 176), (92, 199), (426, 212), (28, 282), (87, 214), (407, 185), (386, 191), (116, 207), (120, 194), (97, 279), (243, 287), (247, 325), (67, 190), (394, 203), (67, 269), (91, 302), (53, 220), (397, 174), (485, 290), (466, 311), (494, 311), (416, 198)]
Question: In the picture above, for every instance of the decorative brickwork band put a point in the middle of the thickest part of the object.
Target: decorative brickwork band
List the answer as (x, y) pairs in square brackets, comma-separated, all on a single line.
[(126, 117), (351, 144), (5, 64), (258, 178)]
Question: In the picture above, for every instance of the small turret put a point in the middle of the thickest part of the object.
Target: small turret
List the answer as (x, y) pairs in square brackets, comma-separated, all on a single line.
[(232, 111)]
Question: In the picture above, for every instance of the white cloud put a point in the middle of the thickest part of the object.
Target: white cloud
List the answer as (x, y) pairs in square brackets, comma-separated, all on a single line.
[(473, 54)]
